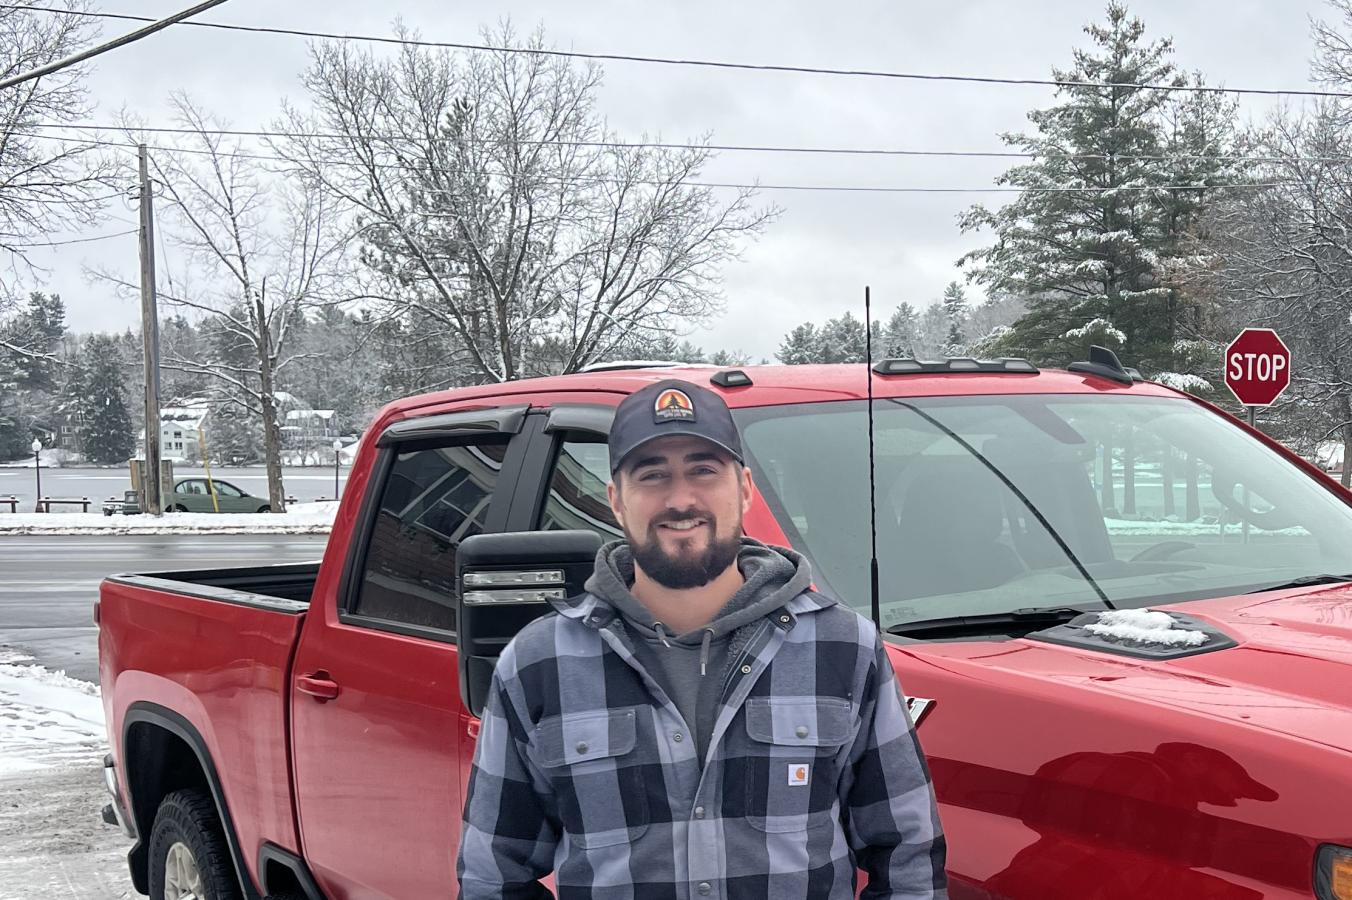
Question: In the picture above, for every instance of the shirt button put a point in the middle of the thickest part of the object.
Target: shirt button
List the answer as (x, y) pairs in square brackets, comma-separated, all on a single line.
[(678, 737), (801, 731), (581, 746), (699, 812), (704, 887)]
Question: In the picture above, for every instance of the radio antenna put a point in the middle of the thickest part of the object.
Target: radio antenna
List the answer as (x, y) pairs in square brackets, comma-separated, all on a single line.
[(874, 606)]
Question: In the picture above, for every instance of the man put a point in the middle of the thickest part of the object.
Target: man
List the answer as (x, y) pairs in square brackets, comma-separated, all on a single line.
[(699, 723)]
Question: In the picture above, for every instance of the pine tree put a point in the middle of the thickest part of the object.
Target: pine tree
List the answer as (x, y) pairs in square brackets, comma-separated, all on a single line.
[(800, 346), (108, 434), (899, 336), (955, 310), (1095, 252)]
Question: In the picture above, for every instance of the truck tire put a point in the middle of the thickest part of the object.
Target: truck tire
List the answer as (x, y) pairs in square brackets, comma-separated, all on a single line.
[(188, 853)]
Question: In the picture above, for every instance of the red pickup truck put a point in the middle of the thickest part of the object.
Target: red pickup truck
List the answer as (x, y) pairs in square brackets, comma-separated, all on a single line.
[(1123, 620)]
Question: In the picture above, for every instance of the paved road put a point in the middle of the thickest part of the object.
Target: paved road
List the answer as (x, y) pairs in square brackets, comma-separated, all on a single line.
[(97, 484), (48, 584)]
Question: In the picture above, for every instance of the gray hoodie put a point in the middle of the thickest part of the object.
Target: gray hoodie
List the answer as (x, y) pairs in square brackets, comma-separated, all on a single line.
[(691, 667)]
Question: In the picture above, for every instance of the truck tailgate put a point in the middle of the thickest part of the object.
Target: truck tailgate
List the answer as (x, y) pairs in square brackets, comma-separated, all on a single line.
[(217, 661)]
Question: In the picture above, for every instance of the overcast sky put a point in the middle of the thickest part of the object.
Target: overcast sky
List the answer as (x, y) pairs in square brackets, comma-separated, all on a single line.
[(813, 262)]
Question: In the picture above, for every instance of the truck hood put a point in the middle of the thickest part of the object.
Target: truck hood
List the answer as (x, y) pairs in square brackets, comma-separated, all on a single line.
[(1290, 672)]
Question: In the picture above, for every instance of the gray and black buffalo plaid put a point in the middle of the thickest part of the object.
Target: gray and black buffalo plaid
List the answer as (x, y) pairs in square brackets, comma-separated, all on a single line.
[(813, 769)]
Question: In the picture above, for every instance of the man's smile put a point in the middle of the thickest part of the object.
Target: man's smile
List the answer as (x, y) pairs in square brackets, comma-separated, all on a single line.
[(683, 525)]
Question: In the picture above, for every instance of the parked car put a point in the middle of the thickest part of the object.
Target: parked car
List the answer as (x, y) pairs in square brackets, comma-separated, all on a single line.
[(129, 505), (1118, 699), (194, 495)]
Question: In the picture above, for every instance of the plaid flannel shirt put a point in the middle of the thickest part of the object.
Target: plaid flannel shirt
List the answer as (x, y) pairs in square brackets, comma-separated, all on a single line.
[(813, 769)]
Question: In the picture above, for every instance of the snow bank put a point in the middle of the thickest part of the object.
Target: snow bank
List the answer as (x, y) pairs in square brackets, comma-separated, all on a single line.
[(47, 718), (301, 518), (1144, 626)]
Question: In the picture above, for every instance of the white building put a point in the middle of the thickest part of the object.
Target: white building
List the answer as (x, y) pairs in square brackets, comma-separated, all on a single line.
[(180, 427)]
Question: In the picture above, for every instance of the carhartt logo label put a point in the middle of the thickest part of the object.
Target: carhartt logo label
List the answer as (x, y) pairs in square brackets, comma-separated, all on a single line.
[(673, 404), (798, 773)]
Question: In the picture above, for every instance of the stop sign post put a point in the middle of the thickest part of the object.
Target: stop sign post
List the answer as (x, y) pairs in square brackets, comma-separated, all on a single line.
[(1257, 368)]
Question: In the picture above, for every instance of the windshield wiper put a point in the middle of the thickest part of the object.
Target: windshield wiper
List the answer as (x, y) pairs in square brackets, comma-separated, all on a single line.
[(1303, 581), (1019, 621)]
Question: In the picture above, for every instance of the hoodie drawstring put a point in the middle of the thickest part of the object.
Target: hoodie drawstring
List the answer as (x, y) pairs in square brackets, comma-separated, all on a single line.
[(661, 634), (704, 652)]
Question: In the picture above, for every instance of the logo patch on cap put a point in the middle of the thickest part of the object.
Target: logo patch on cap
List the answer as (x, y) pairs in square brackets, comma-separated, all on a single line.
[(673, 404)]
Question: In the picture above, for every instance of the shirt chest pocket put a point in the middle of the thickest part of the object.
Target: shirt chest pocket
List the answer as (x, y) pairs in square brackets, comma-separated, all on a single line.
[(793, 761), (590, 760)]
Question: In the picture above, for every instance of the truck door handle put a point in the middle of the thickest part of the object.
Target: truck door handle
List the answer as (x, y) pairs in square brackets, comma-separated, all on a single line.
[(319, 686)]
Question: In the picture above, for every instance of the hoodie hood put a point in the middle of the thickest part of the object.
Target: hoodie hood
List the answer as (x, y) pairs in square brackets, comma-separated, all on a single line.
[(774, 576)]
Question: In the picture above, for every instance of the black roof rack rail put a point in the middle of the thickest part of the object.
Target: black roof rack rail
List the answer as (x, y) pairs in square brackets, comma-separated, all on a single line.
[(1105, 364), (955, 365)]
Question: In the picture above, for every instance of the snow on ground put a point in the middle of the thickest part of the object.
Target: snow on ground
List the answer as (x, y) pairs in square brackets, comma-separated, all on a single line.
[(301, 518), (52, 842), (47, 718), (1145, 626)]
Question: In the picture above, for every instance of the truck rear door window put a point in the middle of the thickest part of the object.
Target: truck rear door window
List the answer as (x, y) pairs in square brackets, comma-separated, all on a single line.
[(434, 497)]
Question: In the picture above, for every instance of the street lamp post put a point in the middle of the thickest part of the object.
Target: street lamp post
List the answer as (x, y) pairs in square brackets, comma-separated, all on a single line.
[(37, 458), (337, 462)]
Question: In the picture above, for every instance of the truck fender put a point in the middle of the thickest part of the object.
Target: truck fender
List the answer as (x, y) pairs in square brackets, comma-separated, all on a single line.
[(143, 805)]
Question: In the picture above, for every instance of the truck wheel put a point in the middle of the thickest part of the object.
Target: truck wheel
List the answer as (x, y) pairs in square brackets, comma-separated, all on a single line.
[(179, 508), (189, 859)]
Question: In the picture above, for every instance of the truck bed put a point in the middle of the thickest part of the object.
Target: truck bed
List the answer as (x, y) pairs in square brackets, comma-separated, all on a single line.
[(197, 663), (291, 583)]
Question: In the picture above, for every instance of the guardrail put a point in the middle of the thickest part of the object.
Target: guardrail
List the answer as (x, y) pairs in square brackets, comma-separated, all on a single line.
[(11, 501)]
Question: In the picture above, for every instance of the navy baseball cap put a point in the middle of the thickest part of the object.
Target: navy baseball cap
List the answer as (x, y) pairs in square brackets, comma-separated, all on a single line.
[(671, 407)]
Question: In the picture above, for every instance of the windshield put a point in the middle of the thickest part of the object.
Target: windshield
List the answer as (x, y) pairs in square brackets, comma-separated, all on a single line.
[(991, 504)]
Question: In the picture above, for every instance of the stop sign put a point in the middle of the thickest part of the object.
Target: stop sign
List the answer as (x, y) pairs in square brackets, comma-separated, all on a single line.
[(1257, 367)]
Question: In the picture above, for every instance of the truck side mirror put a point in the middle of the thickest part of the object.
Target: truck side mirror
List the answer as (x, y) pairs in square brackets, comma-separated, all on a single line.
[(506, 581)]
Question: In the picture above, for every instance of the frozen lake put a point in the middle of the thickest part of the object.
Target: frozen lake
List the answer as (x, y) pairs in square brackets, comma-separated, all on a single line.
[(98, 484)]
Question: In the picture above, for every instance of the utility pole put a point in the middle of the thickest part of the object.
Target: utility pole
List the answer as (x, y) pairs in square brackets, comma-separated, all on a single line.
[(150, 339)]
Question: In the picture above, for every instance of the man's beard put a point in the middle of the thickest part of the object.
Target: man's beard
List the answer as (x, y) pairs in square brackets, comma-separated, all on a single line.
[(689, 570)]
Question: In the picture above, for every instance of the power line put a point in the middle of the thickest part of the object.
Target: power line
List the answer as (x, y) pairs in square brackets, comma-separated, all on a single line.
[(130, 37), (706, 63), (87, 240), (666, 145), (62, 201), (747, 186)]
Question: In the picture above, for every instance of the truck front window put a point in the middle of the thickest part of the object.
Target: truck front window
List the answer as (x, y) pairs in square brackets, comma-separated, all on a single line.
[(991, 504)]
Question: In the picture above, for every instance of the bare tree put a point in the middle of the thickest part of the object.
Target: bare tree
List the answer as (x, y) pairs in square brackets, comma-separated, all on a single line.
[(47, 183), (1282, 256), (498, 210), (261, 250)]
